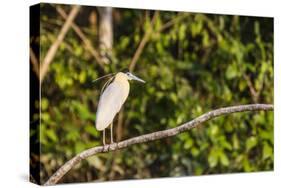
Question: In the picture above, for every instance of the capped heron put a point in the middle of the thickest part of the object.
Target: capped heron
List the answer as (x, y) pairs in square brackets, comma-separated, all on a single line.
[(114, 94)]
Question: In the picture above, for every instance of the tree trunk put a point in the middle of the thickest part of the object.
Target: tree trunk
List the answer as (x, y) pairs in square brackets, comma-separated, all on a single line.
[(105, 33)]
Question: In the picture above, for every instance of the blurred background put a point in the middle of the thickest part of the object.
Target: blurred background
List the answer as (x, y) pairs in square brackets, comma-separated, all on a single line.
[(192, 63)]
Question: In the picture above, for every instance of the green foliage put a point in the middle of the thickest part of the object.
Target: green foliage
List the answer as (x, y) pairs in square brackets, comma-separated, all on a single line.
[(198, 64)]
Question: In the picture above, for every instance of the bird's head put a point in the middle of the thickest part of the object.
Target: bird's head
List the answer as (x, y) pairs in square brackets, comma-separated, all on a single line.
[(130, 76)]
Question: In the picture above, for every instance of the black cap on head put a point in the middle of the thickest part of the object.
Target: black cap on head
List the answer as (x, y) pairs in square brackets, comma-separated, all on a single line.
[(125, 70)]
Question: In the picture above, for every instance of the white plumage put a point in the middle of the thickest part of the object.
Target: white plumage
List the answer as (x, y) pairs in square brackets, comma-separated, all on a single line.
[(111, 101)]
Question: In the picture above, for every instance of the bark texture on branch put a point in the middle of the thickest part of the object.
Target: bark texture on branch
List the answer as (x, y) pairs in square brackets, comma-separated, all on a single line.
[(154, 136)]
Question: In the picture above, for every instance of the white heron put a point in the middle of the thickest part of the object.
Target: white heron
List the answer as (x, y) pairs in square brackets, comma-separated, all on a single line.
[(113, 95)]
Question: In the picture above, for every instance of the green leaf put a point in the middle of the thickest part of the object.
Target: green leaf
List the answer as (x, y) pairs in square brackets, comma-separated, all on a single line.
[(231, 71), (82, 77), (213, 158), (72, 135), (227, 145), (188, 144), (90, 129), (44, 104), (236, 143), (45, 117), (195, 152), (206, 40), (182, 29), (242, 85), (246, 164), (251, 142), (267, 151), (223, 159), (79, 146), (52, 135), (214, 130), (124, 42)]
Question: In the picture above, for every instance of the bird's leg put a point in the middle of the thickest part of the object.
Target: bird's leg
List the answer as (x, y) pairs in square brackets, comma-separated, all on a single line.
[(111, 135), (103, 137)]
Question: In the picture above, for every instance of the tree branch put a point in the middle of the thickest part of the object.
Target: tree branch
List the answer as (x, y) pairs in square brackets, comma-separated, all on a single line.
[(251, 87), (142, 43), (53, 49), (83, 37), (173, 21), (153, 136), (148, 33), (34, 62)]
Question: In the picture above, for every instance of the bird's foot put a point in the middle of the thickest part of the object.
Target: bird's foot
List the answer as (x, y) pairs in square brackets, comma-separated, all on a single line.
[(113, 145), (111, 141), (106, 147)]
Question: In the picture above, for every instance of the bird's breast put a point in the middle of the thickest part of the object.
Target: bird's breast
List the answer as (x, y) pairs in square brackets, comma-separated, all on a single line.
[(110, 103)]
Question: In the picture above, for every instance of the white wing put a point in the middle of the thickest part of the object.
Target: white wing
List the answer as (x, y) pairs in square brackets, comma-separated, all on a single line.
[(110, 104)]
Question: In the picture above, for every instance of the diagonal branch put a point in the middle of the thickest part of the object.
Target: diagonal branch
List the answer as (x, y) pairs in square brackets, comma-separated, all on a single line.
[(148, 33), (154, 136), (142, 43), (140, 48), (134, 61), (253, 91), (34, 62), (82, 36), (53, 49), (173, 21)]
